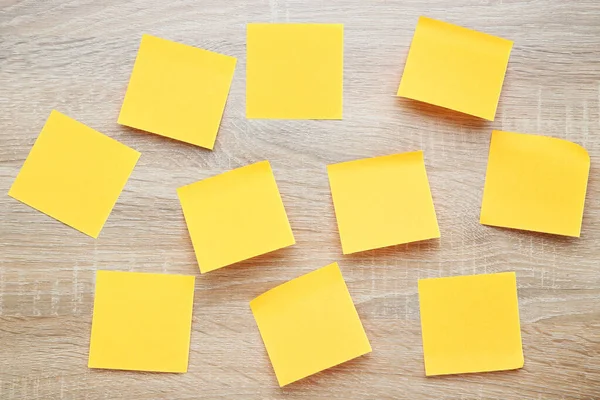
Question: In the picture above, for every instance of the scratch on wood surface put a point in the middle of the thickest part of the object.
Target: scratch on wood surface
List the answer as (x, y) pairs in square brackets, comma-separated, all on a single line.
[(2, 289), (585, 124), (274, 7), (539, 112), (568, 122), (36, 297), (61, 383), (54, 297), (75, 294)]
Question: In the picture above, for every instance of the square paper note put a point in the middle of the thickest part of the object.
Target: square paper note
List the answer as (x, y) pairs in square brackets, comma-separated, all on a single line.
[(295, 71), (141, 321), (177, 91), (382, 201), (309, 324), (456, 68), (535, 183), (74, 174), (235, 216), (470, 324)]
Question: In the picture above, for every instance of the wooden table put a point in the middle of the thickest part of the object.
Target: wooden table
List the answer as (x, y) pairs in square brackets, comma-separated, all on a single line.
[(76, 56)]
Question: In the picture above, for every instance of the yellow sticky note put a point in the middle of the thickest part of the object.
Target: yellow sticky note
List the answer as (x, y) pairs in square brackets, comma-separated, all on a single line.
[(382, 201), (177, 91), (456, 68), (74, 174), (294, 71), (235, 216), (470, 324), (535, 183), (141, 321), (309, 324)]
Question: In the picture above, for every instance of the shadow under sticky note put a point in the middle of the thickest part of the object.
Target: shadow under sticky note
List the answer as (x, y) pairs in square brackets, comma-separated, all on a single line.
[(455, 68), (382, 201), (470, 324), (309, 324), (141, 321), (294, 71), (74, 174), (177, 91), (235, 216), (535, 183)]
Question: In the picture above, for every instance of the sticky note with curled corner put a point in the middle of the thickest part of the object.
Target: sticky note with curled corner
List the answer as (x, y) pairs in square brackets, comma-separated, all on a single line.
[(294, 71), (470, 324), (141, 321), (235, 216), (535, 183), (177, 91), (74, 174), (455, 68), (309, 324), (382, 201)]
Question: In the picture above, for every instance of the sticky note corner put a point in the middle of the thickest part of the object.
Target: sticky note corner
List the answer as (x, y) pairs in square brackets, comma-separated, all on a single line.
[(489, 117), (94, 234), (265, 163), (137, 154), (521, 361), (209, 146), (11, 191), (54, 112)]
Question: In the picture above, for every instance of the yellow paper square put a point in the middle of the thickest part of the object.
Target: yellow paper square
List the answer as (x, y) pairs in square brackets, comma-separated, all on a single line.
[(309, 324), (294, 71), (535, 183), (141, 321), (74, 174), (235, 216), (456, 68), (470, 324), (382, 201), (177, 91)]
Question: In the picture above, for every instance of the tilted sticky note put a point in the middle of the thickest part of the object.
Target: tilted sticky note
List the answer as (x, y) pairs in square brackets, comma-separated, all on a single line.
[(141, 321), (456, 68), (535, 183), (74, 174), (177, 91), (294, 71), (309, 324), (235, 216), (382, 201), (470, 324)]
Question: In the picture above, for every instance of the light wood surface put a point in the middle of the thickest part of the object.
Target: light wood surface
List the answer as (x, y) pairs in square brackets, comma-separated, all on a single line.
[(76, 56)]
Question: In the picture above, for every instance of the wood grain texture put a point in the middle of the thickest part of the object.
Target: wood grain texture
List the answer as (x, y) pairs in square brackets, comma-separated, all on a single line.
[(76, 56)]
